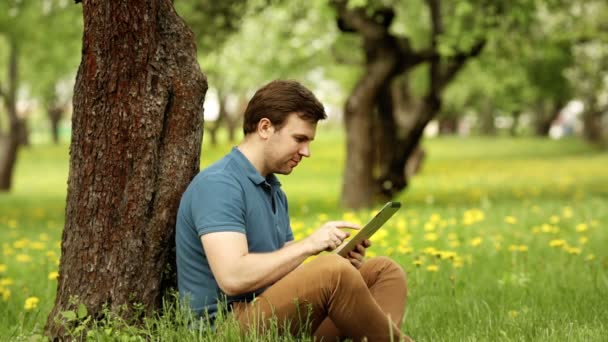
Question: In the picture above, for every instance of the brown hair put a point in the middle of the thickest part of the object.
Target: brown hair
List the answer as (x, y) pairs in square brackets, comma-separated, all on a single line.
[(279, 98)]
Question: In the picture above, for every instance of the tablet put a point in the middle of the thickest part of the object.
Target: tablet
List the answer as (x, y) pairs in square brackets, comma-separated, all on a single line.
[(370, 228)]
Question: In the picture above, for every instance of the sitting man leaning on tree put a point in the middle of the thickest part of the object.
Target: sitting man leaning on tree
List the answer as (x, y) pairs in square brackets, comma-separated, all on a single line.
[(234, 240)]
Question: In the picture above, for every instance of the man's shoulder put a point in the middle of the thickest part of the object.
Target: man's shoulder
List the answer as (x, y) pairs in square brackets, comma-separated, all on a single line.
[(225, 170)]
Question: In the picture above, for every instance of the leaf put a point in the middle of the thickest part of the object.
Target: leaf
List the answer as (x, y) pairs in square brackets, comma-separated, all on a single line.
[(69, 315), (82, 311)]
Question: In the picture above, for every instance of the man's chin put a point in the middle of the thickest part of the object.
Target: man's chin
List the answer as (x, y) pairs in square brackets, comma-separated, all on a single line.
[(285, 171)]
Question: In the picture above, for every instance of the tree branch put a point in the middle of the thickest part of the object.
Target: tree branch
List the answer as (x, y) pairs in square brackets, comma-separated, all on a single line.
[(356, 19), (456, 63)]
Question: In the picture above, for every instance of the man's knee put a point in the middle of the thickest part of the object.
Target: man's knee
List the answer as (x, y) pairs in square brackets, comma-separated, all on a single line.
[(387, 267), (338, 269)]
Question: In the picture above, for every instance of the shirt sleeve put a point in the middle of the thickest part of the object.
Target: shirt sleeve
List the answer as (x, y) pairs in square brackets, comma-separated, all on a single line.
[(218, 205)]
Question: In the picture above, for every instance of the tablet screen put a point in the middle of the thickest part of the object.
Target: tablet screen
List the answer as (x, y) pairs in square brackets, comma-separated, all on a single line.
[(370, 228)]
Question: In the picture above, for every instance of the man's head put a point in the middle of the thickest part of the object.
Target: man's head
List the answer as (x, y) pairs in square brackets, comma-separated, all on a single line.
[(279, 98), (280, 122)]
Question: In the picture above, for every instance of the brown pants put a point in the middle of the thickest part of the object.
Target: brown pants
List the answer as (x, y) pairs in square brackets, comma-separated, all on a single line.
[(330, 297)]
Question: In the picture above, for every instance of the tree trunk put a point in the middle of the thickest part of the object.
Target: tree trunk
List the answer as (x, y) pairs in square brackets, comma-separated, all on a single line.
[(448, 125), (136, 139), (513, 130), (222, 116), (55, 112), (546, 114), (10, 146), (486, 119), (359, 189), (23, 132), (592, 125)]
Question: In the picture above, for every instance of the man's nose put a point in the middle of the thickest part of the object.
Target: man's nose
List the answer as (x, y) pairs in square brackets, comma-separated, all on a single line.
[(305, 150)]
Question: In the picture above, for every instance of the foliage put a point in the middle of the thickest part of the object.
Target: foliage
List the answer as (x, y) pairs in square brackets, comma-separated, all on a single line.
[(48, 37)]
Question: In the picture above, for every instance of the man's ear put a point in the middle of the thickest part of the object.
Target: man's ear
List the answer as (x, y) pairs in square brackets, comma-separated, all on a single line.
[(265, 128)]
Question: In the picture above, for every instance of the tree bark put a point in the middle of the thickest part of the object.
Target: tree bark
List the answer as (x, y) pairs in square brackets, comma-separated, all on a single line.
[(10, 144), (136, 139)]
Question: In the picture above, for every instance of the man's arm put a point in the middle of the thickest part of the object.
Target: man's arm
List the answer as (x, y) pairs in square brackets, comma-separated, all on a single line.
[(238, 271)]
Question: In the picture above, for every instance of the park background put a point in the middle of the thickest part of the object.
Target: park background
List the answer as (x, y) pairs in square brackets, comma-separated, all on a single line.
[(497, 150)]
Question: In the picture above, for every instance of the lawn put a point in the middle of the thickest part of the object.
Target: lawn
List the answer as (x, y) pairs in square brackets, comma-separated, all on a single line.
[(502, 239)]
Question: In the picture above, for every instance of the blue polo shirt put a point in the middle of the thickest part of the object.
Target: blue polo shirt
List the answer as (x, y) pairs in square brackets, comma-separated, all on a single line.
[(228, 196)]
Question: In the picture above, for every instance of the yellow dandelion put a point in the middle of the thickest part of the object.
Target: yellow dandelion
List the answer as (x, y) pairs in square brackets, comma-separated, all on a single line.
[(6, 282), (430, 251), (21, 243), (12, 224), (513, 248), (572, 250), (557, 243), (432, 268), (429, 227), (511, 220), (23, 258), (297, 225), (435, 218), (582, 227), (404, 249), (554, 219), (31, 303), (446, 254), (3, 268), (322, 217), (452, 236), (37, 245), (53, 275), (476, 241), (583, 240), (417, 262), (454, 243), (431, 237), (523, 248), (6, 294)]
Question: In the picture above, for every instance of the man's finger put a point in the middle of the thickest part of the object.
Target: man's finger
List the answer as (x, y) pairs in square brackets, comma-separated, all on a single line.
[(346, 224)]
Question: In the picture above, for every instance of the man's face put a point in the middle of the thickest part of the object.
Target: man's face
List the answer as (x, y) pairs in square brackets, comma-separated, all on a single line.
[(286, 147)]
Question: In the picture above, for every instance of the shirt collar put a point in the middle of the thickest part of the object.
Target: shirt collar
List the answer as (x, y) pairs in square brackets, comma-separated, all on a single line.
[(251, 172)]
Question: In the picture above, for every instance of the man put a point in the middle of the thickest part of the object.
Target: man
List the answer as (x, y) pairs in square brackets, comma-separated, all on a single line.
[(235, 245)]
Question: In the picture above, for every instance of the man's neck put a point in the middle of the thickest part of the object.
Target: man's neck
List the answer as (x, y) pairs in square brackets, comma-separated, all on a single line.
[(253, 153)]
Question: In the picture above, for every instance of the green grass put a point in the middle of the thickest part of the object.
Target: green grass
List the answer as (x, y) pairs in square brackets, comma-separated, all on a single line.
[(515, 228)]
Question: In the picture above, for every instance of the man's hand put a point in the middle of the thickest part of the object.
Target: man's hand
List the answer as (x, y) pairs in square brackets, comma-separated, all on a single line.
[(356, 255), (329, 236)]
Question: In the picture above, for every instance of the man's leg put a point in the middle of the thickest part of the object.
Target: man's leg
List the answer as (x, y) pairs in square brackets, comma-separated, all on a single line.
[(387, 284), (328, 286)]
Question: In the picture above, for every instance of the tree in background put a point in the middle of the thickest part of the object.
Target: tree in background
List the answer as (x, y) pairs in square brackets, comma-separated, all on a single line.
[(35, 58), (136, 143), (588, 29), (370, 108)]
